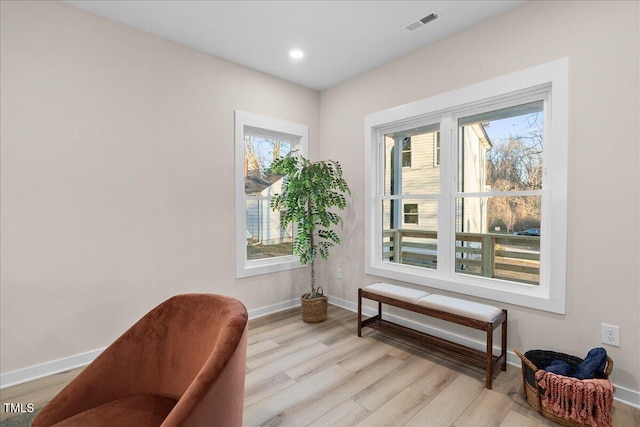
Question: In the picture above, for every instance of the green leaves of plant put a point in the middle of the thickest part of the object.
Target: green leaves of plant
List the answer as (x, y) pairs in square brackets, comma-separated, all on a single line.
[(310, 192)]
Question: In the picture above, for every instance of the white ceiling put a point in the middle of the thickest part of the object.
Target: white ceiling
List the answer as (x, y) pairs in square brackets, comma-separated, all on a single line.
[(340, 39)]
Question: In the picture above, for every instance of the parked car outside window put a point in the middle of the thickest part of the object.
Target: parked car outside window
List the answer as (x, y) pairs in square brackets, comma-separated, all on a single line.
[(528, 232)]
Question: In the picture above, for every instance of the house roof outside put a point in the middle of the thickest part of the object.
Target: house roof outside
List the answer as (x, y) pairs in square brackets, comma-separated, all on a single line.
[(254, 185)]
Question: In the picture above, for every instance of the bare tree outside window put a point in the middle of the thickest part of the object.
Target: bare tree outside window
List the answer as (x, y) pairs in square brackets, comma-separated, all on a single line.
[(514, 163)]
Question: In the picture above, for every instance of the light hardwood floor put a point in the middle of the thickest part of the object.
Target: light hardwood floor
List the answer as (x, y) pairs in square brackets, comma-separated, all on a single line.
[(322, 374)]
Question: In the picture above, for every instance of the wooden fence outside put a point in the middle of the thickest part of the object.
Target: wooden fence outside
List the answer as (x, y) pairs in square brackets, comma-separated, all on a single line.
[(500, 256)]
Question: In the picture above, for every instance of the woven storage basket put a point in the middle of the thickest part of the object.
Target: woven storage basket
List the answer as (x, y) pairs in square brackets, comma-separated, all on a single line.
[(532, 361), (314, 310)]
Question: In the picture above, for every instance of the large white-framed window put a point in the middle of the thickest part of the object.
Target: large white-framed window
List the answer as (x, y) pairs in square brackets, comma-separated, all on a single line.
[(493, 214), (262, 246)]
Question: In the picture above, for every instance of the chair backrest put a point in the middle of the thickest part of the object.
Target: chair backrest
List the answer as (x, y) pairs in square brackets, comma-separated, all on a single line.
[(191, 331), (208, 373), (216, 396), (190, 349)]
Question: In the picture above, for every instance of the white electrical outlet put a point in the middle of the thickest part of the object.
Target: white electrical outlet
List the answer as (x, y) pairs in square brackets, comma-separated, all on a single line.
[(610, 334), (339, 273)]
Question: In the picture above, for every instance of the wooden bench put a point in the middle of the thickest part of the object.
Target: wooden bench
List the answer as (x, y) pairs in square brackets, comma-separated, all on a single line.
[(474, 315)]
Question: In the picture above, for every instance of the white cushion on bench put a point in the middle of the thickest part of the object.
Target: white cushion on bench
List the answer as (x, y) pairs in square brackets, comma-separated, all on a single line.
[(397, 292), (462, 307)]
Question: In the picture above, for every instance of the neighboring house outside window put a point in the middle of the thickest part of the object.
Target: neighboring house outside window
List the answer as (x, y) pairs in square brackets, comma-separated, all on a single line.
[(484, 161), (262, 246)]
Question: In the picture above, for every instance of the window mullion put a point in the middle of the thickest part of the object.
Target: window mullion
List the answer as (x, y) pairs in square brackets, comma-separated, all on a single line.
[(397, 178), (512, 193), (446, 201)]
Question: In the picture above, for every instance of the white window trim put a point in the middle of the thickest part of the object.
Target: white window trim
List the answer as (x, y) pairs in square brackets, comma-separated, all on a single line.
[(550, 295), (255, 123)]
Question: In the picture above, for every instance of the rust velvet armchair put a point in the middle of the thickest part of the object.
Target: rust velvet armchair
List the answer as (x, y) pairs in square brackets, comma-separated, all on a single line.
[(182, 364)]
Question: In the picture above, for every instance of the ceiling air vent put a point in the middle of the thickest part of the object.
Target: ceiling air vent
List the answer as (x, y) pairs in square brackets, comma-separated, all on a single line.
[(422, 22)]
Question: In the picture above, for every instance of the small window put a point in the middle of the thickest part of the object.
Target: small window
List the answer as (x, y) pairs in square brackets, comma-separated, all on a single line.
[(411, 213), (406, 152), (262, 246), (436, 150)]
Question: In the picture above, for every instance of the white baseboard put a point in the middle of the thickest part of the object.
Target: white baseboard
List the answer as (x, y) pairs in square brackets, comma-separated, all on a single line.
[(46, 369), (270, 309), (622, 394), (30, 373), (627, 396)]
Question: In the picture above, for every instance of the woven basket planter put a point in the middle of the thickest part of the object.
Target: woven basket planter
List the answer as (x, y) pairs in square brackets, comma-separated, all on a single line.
[(314, 310), (532, 361)]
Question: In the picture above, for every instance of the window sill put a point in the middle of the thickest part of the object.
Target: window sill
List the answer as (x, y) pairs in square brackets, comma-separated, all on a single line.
[(266, 266), (535, 297)]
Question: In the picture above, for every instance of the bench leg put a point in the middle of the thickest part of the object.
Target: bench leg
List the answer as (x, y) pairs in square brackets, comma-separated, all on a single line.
[(359, 312), (489, 377)]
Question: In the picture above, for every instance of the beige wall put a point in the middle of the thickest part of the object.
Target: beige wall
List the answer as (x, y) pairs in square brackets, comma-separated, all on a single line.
[(601, 40), (117, 164), (117, 178)]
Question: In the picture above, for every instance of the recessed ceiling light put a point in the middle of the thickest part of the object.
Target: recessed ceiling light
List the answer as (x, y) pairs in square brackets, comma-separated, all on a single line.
[(296, 53)]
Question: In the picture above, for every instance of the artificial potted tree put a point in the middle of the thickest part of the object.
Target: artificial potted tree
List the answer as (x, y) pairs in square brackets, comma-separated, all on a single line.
[(311, 191)]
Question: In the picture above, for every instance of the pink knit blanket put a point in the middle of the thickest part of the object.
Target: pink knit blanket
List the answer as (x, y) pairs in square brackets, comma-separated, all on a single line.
[(584, 401)]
